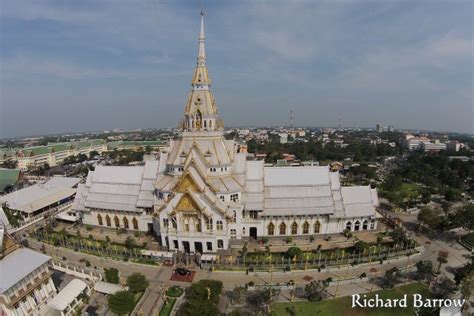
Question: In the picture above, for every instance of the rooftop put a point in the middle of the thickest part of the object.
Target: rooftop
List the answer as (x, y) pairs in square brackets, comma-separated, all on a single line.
[(17, 265)]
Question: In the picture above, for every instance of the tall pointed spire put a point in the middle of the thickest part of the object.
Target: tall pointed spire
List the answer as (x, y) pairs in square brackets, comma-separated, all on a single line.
[(201, 109), (201, 60)]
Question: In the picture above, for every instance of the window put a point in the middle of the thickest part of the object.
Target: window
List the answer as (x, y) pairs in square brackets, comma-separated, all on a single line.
[(117, 221), (253, 214), (306, 228), (234, 197), (99, 220), (209, 224), (294, 228), (282, 229), (125, 222), (166, 222), (349, 225), (219, 225), (222, 198), (209, 246), (365, 225), (234, 216), (107, 220), (198, 226), (233, 234), (357, 226), (372, 224), (186, 227), (271, 229), (220, 243), (135, 223), (317, 227)]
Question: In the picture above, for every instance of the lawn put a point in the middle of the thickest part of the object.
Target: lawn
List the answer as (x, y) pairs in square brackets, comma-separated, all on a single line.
[(166, 309), (174, 291), (342, 306)]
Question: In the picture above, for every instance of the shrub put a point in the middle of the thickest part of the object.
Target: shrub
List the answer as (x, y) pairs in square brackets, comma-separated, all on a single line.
[(137, 282), (288, 239), (121, 302)]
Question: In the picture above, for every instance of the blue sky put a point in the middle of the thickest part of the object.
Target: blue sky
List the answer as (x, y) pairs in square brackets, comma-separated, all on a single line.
[(95, 65)]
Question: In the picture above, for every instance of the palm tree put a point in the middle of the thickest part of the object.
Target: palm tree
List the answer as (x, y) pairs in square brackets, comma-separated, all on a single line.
[(442, 258)]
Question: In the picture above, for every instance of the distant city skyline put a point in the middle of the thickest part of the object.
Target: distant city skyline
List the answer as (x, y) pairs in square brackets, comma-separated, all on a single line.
[(94, 65)]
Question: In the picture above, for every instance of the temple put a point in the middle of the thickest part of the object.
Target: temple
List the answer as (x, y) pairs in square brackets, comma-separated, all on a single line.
[(203, 194)]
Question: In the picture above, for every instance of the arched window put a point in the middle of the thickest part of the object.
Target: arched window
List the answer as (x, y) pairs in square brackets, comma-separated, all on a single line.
[(116, 221), (282, 229), (365, 225), (107, 220), (234, 216), (135, 223), (372, 223), (294, 228), (357, 226), (209, 224), (219, 225), (349, 225), (99, 220), (271, 229), (198, 225), (125, 223), (243, 231), (306, 228), (317, 227)]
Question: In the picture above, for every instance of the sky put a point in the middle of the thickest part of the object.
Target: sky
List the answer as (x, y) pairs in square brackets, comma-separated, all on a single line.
[(69, 66)]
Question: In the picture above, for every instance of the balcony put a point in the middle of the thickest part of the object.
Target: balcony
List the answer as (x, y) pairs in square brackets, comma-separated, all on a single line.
[(31, 286)]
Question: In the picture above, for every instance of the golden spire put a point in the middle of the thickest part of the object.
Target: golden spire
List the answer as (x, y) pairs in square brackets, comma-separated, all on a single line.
[(201, 109)]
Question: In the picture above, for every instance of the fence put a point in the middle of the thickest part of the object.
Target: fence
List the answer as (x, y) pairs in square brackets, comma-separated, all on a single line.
[(318, 261)]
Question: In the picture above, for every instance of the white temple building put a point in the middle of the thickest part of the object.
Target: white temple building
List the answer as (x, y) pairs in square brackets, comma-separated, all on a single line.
[(203, 192)]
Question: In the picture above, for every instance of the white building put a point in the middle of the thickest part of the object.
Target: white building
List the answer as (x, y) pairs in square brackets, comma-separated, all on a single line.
[(41, 198), (202, 193), (118, 197), (68, 299), (25, 279)]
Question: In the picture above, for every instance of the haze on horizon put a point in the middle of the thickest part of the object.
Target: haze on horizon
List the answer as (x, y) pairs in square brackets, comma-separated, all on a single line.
[(93, 65)]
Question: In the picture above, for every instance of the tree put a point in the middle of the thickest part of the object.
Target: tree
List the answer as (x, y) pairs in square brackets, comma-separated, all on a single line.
[(112, 275), (315, 290), (399, 236), (429, 217), (130, 242), (206, 290), (453, 194), (202, 298), (122, 302), (464, 217), (361, 246), (262, 299), (137, 282), (442, 258), (424, 270), (294, 252), (238, 295), (391, 278), (467, 285), (443, 288), (194, 307)]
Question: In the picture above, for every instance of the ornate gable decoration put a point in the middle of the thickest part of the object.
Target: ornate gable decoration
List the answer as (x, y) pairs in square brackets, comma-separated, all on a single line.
[(187, 183), (187, 204)]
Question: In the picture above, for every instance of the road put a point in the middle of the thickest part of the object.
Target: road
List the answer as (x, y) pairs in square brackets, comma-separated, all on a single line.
[(159, 275)]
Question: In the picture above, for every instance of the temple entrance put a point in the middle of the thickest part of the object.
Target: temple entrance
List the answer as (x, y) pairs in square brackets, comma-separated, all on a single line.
[(198, 247), (253, 232), (186, 247)]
